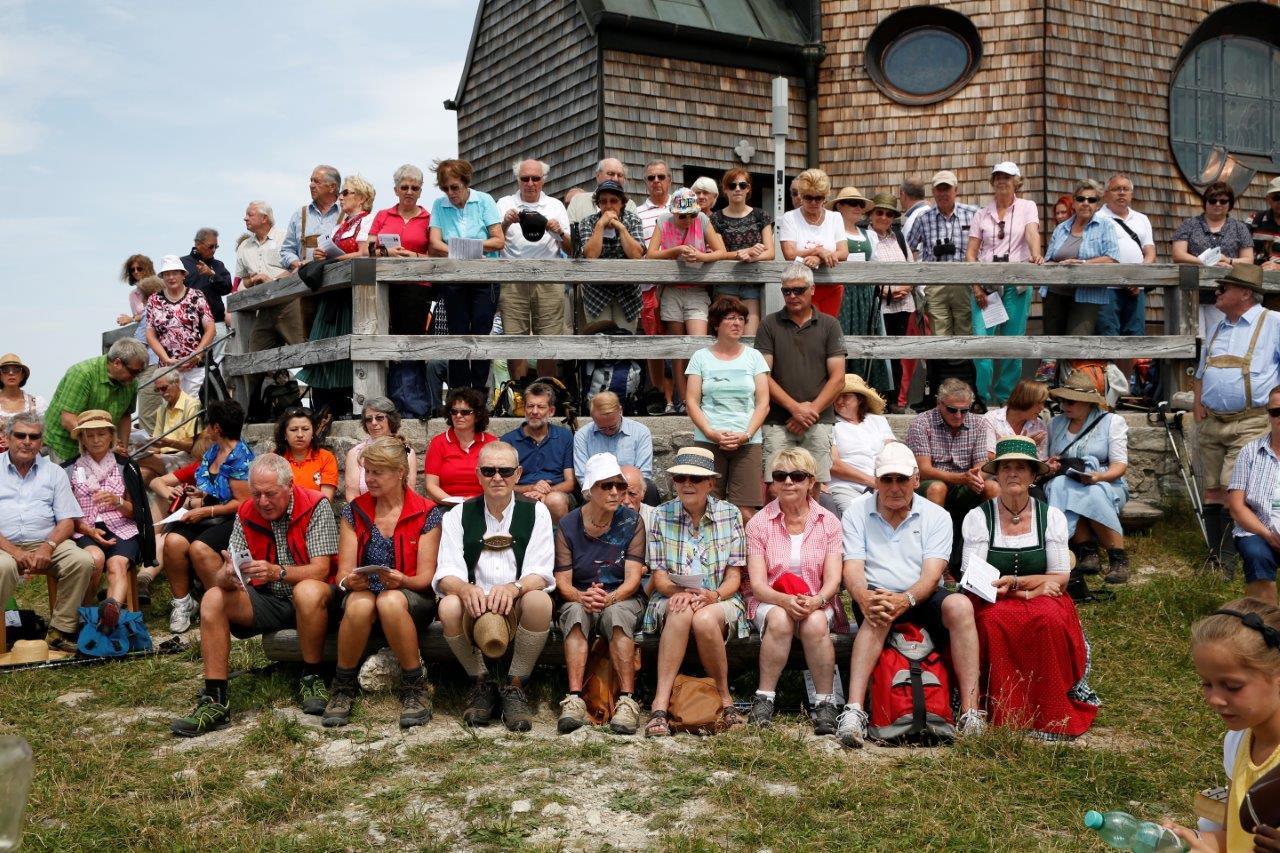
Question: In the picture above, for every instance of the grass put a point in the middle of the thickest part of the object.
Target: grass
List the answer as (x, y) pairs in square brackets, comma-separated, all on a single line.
[(108, 774)]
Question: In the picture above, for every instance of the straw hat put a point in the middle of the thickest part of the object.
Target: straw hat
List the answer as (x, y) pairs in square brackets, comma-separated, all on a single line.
[(491, 634), (1079, 387), (847, 194), (11, 358), (1019, 447), (92, 419), (871, 399), (30, 651), (1244, 275), (886, 201), (695, 461)]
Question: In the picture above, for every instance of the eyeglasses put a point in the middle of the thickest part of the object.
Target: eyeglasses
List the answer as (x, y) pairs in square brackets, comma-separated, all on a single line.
[(132, 371), (652, 178), (409, 188), (1087, 199), (813, 197), (1218, 200), (681, 479), (1119, 190), (737, 185), (503, 471), (794, 291), (37, 436), (374, 419), (956, 410), (460, 413), (613, 486), (793, 476), (530, 179)]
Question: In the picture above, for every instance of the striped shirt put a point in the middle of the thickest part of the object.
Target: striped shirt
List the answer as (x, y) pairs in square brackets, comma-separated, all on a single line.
[(717, 544), (767, 537), (1255, 473)]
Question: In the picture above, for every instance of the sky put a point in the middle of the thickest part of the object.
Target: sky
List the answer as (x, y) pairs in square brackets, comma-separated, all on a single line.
[(126, 126)]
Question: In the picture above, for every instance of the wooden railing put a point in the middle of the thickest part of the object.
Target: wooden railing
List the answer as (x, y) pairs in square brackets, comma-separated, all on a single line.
[(370, 347)]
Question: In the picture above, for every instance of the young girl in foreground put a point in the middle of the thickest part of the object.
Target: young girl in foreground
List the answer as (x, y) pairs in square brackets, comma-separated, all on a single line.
[(1237, 656)]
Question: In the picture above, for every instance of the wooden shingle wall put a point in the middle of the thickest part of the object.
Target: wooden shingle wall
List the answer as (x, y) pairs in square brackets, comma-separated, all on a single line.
[(688, 112), (531, 92)]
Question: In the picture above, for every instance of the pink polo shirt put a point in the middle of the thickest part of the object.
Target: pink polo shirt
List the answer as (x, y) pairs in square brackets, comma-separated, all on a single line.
[(986, 227), (413, 234)]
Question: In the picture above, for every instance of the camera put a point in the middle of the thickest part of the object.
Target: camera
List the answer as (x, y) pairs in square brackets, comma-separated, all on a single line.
[(944, 248), (1000, 259)]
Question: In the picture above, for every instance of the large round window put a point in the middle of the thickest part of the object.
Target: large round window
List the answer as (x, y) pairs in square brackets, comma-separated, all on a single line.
[(923, 54)]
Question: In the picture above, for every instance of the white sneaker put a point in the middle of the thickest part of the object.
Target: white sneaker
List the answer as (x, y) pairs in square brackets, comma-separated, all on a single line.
[(972, 722), (851, 726), (180, 612)]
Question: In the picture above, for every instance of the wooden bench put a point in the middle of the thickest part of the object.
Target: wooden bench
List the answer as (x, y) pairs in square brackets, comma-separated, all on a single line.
[(1137, 516)]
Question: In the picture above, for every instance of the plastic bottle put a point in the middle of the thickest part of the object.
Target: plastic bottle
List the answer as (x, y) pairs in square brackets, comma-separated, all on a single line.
[(1123, 831)]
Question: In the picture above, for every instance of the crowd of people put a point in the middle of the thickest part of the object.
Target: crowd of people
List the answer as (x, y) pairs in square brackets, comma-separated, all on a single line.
[(796, 513)]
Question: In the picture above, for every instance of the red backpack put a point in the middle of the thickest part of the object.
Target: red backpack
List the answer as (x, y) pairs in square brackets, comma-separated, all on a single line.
[(911, 690)]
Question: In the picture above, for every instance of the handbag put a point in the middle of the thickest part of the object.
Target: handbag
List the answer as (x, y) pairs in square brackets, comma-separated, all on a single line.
[(695, 705), (602, 686)]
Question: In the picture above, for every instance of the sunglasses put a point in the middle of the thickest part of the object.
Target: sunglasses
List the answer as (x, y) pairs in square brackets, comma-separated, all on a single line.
[(37, 436), (132, 371), (652, 178), (530, 179), (794, 291), (10, 368), (814, 197), (895, 479), (613, 486), (681, 479), (737, 185), (460, 413), (793, 476), (1087, 199), (685, 215), (346, 193), (409, 188), (1000, 230), (955, 410), (1275, 413), (503, 471), (851, 203), (374, 419), (1218, 200)]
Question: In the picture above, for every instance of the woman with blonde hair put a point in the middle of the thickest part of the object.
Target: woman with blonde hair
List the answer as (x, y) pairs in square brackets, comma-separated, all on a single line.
[(815, 235), (1021, 415)]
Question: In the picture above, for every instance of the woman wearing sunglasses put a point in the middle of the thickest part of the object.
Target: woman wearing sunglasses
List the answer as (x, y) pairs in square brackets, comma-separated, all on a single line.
[(1085, 238), (1213, 229), (748, 237), (450, 467), (815, 235), (794, 561), (378, 418)]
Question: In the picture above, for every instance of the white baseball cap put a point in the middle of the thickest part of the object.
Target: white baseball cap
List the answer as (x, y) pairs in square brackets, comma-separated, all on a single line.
[(171, 263), (1008, 167), (896, 458), (602, 466)]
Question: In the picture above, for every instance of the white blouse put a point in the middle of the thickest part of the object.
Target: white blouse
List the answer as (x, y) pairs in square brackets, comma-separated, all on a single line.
[(857, 444), (974, 533)]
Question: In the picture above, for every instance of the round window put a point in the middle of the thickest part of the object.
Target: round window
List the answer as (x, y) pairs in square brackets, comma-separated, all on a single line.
[(923, 54)]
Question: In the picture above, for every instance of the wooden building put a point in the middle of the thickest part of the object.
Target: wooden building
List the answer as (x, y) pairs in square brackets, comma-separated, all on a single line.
[(1175, 93)]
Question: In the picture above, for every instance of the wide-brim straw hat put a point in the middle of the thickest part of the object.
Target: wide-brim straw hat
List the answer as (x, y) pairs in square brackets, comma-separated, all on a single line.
[(1244, 275), (10, 358), (1016, 447), (30, 651), (695, 461), (886, 201), (92, 419), (1079, 387), (848, 194), (871, 399), (491, 634)]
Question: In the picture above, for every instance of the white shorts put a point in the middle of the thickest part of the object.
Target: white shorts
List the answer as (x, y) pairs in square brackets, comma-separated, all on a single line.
[(684, 303), (762, 616)]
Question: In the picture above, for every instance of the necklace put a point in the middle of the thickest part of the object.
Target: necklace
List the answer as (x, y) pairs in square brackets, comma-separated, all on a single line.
[(597, 524), (1016, 515)]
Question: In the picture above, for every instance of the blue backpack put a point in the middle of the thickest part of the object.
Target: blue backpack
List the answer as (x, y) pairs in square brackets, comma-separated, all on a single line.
[(130, 635)]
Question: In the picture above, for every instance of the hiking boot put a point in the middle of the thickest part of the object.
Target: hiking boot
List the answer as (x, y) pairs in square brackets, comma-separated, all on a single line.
[(626, 716), (482, 703), (516, 712), (573, 714), (144, 592), (181, 613), (313, 694), (1087, 560), (338, 711), (971, 722), (761, 713), (415, 707), (825, 717), (209, 715), (108, 615), (851, 727), (1117, 566), (60, 642)]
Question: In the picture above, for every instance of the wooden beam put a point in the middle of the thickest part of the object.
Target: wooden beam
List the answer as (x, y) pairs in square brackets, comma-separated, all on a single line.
[(110, 336), (337, 276), (369, 316), (293, 355)]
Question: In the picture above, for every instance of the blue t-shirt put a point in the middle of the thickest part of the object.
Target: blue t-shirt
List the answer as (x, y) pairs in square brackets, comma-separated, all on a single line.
[(728, 389), (600, 560), (473, 221), (546, 461)]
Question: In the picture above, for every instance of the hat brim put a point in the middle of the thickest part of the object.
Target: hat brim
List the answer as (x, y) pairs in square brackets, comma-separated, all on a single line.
[(692, 470), (900, 470), (79, 428), (1256, 287), (992, 466), (870, 398), (596, 195), (831, 205), (895, 211), (1079, 396)]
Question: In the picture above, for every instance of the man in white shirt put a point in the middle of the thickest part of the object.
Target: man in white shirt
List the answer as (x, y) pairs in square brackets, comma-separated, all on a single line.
[(497, 556), (1126, 315), (911, 200), (258, 262), (657, 180), (537, 228)]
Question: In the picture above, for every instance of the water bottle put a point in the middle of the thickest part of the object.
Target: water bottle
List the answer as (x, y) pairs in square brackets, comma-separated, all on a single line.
[(1123, 831)]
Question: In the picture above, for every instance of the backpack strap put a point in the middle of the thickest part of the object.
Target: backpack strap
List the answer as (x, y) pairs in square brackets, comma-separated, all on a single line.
[(919, 714)]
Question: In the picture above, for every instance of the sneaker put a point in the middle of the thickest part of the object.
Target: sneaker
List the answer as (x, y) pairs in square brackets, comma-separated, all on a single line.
[(60, 642), (761, 713), (181, 613), (670, 409), (851, 727), (516, 712), (825, 717), (313, 694), (209, 714), (626, 716), (573, 714), (415, 707), (338, 711), (972, 722), (482, 703), (144, 592), (1117, 566)]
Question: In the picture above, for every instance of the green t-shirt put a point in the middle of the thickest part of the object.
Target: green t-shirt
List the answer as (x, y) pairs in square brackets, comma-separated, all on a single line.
[(728, 389)]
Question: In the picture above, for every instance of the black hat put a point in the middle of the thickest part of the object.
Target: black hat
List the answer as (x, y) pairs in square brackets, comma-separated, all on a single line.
[(609, 187), (533, 225)]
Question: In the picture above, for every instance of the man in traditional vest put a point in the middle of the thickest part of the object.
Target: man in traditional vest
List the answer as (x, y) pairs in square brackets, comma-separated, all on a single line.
[(497, 554), (284, 538)]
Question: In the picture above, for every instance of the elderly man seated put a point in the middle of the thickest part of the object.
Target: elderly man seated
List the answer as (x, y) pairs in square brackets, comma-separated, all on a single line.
[(896, 546), (37, 517), (107, 382), (276, 574), (546, 453), (628, 440), (174, 430), (495, 565), (1251, 497)]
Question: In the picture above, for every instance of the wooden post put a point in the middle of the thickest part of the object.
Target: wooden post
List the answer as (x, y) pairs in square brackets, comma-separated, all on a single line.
[(369, 310), (1181, 317), (242, 386)]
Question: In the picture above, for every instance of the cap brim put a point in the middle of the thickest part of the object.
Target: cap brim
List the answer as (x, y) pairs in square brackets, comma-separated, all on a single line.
[(901, 470)]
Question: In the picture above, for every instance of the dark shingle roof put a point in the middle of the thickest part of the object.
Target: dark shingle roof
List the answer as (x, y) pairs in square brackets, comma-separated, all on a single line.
[(769, 20)]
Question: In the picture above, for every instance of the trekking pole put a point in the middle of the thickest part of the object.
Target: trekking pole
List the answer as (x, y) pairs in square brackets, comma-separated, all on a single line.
[(1173, 424)]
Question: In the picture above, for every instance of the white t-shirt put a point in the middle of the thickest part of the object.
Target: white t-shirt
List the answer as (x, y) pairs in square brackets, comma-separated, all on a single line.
[(828, 234), (1131, 252), (517, 246), (858, 444), (797, 545)]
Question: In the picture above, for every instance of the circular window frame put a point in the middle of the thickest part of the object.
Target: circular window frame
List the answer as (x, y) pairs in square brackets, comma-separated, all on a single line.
[(908, 20)]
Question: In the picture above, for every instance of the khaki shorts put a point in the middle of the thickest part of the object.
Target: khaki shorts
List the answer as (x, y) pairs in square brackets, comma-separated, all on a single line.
[(532, 308), (1220, 442), (730, 609), (625, 614), (816, 439), (740, 474), (684, 303)]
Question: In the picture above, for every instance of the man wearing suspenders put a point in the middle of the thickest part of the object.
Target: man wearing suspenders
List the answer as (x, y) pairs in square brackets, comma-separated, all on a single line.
[(316, 220), (1239, 365)]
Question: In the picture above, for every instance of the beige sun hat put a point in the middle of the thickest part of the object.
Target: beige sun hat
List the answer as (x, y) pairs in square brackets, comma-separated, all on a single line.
[(696, 461), (1016, 447), (26, 651), (10, 358), (848, 194), (491, 634), (1079, 387), (92, 419), (871, 399)]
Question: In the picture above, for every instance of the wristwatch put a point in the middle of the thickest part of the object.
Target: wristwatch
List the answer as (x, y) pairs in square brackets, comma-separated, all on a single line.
[(282, 574), (51, 544), (911, 599)]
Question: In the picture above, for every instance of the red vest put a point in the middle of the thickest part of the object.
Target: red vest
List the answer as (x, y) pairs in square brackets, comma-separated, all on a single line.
[(262, 542), (413, 515)]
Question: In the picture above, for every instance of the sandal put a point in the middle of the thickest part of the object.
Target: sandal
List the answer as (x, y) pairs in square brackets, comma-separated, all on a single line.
[(730, 717), (658, 725)]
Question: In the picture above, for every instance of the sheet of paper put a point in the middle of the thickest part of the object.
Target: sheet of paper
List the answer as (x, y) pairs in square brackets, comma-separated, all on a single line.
[(238, 561), (465, 249), (177, 516), (1210, 256), (688, 581), (979, 575), (994, 314), (368, 570), (12, 619), (330, 248), (389, 241)]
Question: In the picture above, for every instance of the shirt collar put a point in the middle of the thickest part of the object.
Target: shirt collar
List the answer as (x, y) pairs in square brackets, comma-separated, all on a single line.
[(333, 207), (506, 513), (913, 511), (35, 464), (773, 510)]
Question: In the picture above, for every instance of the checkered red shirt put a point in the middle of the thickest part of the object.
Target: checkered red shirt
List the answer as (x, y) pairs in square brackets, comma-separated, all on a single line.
[(767, 537), (930, 436)]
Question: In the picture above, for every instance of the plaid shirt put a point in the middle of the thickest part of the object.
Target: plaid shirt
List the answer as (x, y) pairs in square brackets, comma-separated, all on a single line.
[(767, 537), (1255, 473), (718, 544), (597, 297), (933, 226), (85, 386), (322, 540), (960, 450)]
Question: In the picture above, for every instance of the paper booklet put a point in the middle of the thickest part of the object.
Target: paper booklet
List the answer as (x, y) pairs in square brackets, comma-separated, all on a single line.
[(979, 577)]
